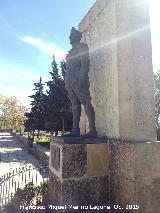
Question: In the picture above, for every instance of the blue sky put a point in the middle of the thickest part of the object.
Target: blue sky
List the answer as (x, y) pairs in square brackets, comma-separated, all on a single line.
[(32, 30)]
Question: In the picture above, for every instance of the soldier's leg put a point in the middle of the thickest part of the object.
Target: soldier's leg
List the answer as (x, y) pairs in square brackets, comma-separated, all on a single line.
[(89, 111), (85, 99), (76, 110)]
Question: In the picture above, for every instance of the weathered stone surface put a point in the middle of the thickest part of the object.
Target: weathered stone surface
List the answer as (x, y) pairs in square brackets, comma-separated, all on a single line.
[(78, 140), (79, 191), (55, 189), (55, 157), (96, 194), (121, 77), (136, 90), (82, 178), (122, 173), (135, 175), (41, 153), (79, 157), (74, 160), (99, 27)]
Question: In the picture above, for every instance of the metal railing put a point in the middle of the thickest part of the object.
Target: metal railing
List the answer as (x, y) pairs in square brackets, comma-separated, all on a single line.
[(18, 178)]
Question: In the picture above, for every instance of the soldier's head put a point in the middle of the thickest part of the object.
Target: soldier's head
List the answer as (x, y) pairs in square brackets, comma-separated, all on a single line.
[(75, 36)]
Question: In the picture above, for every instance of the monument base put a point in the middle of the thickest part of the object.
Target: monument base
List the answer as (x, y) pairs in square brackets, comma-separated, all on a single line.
[(79, 171), (135, 176)]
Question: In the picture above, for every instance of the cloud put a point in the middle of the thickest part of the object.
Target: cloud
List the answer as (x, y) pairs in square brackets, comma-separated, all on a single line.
[(44, 47)]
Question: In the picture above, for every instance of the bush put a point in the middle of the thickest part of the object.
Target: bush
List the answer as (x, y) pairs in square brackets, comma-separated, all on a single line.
[(30, 195), (158, 134)]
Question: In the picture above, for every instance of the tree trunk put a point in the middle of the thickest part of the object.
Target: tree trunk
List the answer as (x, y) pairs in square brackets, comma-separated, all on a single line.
[(38, 133), (33, 136)]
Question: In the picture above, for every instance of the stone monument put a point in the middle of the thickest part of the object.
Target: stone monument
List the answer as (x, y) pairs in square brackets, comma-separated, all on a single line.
[(121, 169), (122, 89)]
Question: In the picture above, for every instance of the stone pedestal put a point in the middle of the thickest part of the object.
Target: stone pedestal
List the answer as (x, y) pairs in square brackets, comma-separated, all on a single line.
[(79, 171), (135, 176)]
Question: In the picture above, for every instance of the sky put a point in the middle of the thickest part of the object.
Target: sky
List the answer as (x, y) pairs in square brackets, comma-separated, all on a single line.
[(32, 30)]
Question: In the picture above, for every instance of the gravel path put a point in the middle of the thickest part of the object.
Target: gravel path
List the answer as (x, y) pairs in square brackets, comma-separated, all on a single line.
[(14, 158), (14, 154)]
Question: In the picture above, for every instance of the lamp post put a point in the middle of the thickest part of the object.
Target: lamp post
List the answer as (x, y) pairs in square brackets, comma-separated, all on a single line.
[(62, 111), (1, 113)]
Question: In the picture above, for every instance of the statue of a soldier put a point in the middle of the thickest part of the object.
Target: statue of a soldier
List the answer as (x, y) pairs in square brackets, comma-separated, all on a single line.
[(77, 83)]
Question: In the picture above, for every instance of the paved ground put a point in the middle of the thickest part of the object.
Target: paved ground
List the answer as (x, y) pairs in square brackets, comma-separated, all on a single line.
[(13, 154), (13, 157)]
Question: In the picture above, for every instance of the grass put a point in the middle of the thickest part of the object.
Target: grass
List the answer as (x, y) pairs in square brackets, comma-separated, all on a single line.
[(42, 139)]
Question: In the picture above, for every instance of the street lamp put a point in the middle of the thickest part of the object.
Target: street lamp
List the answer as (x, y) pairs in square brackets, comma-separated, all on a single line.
[(63, 111), (1, 113)]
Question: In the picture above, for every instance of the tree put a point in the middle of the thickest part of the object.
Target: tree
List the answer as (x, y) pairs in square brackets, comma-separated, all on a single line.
[(66, 110), (63, 68), (157, 102), (28, 123), (12, 113), (36, 117), (157, 97), (53, 92), (58, 100)]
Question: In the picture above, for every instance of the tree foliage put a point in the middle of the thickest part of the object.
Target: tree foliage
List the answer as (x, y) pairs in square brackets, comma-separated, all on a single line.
[(12, 113), (157, 102), (50, 111), (63, 68), (157, 98), (36, 117), (59, 107)]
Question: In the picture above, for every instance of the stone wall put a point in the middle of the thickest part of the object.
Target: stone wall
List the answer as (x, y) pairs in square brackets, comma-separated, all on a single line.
[(136, 90), (41, 153), (135, 175), (22, 139), (98, 34), (121, 78)]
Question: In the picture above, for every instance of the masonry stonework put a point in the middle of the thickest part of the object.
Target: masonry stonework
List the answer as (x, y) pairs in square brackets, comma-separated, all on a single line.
[(121, 77)]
